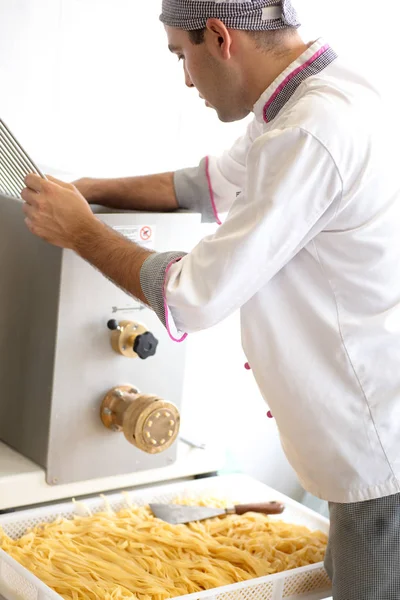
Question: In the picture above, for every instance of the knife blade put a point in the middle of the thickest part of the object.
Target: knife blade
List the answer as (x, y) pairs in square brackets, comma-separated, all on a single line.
[(176, 514)]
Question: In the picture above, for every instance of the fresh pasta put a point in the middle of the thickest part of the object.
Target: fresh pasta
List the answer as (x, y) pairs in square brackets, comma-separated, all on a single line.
[(131, 554)]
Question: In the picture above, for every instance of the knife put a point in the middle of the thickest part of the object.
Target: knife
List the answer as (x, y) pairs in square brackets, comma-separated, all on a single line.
[(178, 514)]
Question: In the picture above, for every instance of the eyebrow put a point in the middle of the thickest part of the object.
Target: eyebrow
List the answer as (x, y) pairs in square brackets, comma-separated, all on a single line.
[(173, 48)]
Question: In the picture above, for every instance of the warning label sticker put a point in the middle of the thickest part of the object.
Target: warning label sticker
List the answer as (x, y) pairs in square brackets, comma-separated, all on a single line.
[(144, 235)]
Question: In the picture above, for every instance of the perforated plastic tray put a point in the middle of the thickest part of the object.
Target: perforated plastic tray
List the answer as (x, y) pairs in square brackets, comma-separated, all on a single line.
[(311, 583)]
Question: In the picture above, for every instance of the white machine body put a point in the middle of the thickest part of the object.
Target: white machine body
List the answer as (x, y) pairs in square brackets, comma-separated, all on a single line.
[(57, 359)]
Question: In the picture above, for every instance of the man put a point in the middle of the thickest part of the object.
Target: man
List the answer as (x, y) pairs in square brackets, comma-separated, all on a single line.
[(309, 252)]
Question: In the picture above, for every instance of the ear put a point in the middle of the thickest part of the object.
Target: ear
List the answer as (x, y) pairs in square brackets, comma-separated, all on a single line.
[(219, 37)]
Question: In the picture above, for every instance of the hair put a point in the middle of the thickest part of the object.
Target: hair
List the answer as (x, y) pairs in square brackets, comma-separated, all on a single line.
[(266, 41)]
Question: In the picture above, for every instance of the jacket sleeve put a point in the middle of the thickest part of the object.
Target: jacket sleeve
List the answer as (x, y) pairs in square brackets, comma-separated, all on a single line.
[(211, 188), (293, 191)]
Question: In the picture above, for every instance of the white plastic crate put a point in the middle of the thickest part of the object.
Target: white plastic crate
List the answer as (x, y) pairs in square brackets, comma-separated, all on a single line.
[(311, 583)]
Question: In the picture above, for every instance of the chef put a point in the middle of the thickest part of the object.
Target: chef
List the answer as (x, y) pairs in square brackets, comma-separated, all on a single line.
[(308, 249)]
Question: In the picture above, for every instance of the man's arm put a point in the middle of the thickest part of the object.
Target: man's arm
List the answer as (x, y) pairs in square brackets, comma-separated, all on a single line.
[(293, 192), (209, 189), (148, 193), (56, 212), (290, 198), (113, 255)]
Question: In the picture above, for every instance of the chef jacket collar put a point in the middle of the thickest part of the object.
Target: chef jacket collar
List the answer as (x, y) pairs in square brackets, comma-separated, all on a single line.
[(314, 60)]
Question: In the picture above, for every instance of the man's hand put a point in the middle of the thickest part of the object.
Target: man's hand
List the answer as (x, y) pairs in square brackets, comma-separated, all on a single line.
[(86, 186), (58, 213), (55, 211)]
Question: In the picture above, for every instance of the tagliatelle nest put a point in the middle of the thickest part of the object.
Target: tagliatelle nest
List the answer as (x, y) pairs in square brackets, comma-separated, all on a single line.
[(131, 554)]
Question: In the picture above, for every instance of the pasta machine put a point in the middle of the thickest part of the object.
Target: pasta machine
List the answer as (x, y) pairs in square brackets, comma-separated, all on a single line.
[(91, 384)]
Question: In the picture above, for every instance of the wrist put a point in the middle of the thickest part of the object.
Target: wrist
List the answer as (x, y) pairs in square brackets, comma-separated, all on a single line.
[(90, 189), (87, 234)]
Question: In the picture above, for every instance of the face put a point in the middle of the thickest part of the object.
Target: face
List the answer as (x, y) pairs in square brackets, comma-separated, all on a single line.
[(210, 68)]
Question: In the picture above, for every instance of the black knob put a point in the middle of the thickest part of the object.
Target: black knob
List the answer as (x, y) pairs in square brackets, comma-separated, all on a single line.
[(113, 325), (145, 345)]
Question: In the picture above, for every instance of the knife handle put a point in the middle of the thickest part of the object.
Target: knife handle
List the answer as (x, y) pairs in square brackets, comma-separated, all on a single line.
[(266, 508)]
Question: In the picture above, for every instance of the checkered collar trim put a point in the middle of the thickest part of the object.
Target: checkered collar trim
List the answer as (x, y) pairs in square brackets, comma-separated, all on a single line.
[(314, 60)]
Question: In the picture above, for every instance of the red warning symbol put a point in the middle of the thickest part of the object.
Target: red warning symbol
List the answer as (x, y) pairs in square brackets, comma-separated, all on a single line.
[(146, 233)]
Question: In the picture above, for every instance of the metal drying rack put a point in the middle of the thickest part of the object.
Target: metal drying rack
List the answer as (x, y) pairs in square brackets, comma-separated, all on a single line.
[(15, 164)]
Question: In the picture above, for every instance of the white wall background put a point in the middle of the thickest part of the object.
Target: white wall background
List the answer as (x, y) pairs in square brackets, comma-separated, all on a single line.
[(89, 88)]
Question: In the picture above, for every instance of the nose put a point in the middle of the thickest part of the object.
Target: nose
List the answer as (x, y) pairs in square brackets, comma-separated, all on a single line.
[(188, 81)]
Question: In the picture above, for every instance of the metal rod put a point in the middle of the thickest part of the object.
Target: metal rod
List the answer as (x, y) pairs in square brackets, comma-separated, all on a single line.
[(12, 182), (25, 156), (9, 166), (7, 171), (13, 156), (11, 141), (4, 184)]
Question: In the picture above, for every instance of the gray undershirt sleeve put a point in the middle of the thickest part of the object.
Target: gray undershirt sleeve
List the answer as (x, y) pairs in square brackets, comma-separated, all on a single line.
[(152, 280), (193, 191)]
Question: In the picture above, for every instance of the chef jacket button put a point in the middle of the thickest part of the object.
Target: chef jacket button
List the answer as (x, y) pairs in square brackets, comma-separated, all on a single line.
[(247, 367), (270, 415)]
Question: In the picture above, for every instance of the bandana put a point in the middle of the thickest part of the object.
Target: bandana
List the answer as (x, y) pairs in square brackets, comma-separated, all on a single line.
[(248, 15)]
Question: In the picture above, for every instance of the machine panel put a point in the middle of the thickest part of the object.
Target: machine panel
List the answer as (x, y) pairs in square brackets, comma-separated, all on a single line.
[(58, 361)]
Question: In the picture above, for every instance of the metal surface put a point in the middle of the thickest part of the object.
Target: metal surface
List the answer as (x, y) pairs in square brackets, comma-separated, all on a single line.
[(123, 338), (15, 163), (57, 359), (19, 474), (147, 422), (176, 514)]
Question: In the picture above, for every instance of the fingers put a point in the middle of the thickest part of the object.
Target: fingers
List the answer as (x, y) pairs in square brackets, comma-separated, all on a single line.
[(32, 222), (28, 211), (33, 228), (59, 182), (29, 224), (30, 196), (34, 182), (38, 184)]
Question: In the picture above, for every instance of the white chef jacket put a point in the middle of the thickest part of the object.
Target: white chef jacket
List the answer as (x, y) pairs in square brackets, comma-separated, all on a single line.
[(310, 254)]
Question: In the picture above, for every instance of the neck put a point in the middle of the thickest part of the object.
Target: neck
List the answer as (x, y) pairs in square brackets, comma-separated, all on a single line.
[(268, 65)]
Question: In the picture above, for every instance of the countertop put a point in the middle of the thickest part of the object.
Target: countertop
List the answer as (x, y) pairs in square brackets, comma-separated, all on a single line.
[(23, 483)]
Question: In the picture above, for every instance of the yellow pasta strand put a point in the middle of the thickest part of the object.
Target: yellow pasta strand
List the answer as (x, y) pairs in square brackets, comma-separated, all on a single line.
[(132, 555)]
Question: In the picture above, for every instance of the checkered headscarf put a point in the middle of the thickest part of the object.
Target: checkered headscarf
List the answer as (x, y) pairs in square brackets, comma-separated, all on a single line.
[(248, 15)]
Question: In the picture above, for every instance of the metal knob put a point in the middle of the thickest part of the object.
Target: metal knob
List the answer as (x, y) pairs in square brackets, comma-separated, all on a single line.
[(132, 339), (147, 422), (112, 325), (145, 345)]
